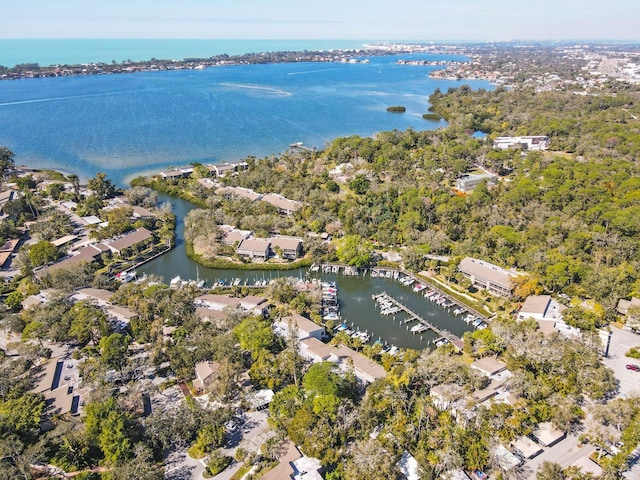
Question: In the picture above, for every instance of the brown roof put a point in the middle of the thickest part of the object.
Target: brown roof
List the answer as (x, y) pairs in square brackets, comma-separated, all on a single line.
[(286, 243), (97, 294), (303, 324), (281, 202), (487, 271), (4, 256), (9, 245), (284, 470), (254, 245), (363, 365), (535, 304), (205, 313), (205, 369), (234, 236), (239, 192), (317, 348), (139, 235), (489, 365)]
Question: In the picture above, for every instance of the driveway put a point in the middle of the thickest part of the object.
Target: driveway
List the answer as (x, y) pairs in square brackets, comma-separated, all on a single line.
[(629, 380)]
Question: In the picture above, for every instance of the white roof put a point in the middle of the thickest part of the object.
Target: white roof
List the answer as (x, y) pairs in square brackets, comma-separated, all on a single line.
[(409, 466)]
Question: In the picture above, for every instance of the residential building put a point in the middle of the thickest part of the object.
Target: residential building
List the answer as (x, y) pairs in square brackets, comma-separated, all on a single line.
[(254, 248), (252, 304), (505, 459), (496, 280), (290, 247), (240, 192), (526, 447), (304, 327), (294, 466), (541, 307), (365, 369), (206, 373), (59, 397), (284, 205), (136, 240), (233, 235), (547, 434), (467, 182), (527, 142), (489, 366), (624, 305)]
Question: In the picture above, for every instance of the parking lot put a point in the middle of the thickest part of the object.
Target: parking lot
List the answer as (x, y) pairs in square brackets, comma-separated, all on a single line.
[(629, 380)]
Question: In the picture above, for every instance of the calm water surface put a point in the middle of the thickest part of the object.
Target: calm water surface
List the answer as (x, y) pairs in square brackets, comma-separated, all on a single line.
[(144, 122), (357, 306)]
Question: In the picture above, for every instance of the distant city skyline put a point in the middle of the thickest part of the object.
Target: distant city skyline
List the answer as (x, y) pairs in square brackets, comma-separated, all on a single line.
[(409, 20)]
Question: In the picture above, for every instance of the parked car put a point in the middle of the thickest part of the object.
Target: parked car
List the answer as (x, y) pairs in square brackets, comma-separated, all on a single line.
[(633, 366), (230, 426)]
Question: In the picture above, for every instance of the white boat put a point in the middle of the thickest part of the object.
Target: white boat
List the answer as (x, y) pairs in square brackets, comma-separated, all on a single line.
[(175, 282), (419, 287), (419, 328), (331, 316)]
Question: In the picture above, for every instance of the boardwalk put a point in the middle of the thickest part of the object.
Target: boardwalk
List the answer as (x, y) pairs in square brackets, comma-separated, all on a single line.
[(453, 339)]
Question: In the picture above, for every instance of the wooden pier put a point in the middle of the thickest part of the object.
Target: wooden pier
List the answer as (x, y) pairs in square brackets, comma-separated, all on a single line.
[(445, 334)]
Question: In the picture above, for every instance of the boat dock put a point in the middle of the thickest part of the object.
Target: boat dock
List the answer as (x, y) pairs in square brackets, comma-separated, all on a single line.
[(443, 334), (301, 146)]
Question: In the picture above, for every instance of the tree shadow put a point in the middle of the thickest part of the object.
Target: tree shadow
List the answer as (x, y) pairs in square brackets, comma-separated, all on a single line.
[(184, 472)]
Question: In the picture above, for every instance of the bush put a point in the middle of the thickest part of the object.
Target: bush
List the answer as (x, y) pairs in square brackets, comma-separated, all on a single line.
[(217, 463), (633, 352)]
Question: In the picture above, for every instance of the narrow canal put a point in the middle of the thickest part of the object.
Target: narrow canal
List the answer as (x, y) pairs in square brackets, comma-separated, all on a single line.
[(354, 293)]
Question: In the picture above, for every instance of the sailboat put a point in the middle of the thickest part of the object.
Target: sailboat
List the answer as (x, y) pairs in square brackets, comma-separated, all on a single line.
[(199, 283)]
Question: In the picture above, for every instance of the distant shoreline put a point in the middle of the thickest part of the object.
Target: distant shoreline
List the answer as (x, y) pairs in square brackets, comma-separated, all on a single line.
[(352, 55)]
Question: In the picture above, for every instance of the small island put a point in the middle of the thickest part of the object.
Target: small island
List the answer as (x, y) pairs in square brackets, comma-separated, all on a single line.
[(432, 116), (397, 109)]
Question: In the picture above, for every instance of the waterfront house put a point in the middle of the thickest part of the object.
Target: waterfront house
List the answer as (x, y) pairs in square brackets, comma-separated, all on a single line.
[(254, 248), (496, 280), (526, 142), (224, 169), (173, 174), (365, 369), (233, 235), (283, 204), (304, 327), (251, 303), (132, 243), (290, 247), (87, 254)]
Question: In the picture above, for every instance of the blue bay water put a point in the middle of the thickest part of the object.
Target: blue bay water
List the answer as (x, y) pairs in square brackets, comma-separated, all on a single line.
[(131, 123)]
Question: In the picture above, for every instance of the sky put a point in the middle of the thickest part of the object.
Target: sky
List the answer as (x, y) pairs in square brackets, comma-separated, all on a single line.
[(381, 20)]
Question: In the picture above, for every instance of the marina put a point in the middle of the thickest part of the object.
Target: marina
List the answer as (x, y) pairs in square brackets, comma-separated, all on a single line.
[(444, 336)]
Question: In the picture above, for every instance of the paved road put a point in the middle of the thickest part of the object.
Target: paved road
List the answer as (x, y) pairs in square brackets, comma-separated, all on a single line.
[(621, 341)]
